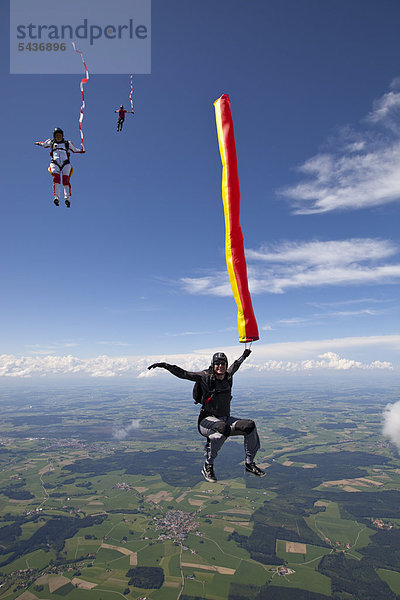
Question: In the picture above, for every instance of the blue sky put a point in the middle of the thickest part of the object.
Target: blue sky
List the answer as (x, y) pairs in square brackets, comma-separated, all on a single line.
[(135, 270)]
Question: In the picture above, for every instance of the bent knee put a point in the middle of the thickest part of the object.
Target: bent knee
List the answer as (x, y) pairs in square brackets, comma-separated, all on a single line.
[(245, 426)]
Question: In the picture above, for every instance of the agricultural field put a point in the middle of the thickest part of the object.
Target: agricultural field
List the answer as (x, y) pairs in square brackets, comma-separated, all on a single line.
[(93, 506)]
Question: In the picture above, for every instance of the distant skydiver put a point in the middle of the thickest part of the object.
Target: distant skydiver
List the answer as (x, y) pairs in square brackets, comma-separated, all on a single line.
[(59, 164), (214, 386), (121, 116)]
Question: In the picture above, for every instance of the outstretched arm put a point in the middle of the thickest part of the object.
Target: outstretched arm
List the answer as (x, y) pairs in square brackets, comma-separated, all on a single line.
[(238, 362), (74, 149), (45, 144), (178, 371)]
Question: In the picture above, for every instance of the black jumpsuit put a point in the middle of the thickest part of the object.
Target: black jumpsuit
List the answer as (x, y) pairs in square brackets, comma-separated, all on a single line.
[(215, 421)]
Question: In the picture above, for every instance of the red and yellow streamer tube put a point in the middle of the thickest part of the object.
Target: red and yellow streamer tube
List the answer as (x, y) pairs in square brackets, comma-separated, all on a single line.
[(235, 258)]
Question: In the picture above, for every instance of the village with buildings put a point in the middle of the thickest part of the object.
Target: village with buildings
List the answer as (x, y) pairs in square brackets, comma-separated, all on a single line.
[(176, 525)]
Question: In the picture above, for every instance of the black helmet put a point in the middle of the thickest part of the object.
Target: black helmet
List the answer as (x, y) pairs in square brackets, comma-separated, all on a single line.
[(58, 130), (122, 106), (219, 357)]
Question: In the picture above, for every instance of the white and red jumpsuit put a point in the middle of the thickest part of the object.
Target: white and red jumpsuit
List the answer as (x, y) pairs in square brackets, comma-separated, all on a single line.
[(60, 165)]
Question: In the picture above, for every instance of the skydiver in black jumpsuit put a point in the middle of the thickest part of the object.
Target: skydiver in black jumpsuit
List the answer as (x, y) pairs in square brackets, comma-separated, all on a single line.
[(215, 422)]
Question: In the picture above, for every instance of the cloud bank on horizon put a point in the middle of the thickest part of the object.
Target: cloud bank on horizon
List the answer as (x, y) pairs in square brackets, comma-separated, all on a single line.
[(361, 172), (296, 357)]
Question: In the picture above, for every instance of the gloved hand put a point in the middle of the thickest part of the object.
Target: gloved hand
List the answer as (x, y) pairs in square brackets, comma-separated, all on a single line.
[(246, 353), (162, 365)]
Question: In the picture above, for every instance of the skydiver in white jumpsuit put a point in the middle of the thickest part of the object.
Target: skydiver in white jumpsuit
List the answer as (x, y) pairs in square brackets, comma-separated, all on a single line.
[(60, 165)]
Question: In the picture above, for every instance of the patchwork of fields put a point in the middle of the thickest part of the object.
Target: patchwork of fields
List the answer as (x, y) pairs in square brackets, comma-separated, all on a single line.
[(86, 515)]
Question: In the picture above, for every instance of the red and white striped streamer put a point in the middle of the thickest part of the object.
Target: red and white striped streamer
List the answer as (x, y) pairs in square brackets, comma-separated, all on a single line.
[(84, 80), (130, 95)]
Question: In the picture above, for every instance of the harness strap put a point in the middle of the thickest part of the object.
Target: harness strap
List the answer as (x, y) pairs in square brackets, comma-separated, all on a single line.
[(212, 388), (66, 162)]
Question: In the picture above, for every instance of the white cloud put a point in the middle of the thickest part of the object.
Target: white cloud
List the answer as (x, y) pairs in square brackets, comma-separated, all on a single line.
[(296, 320), (333, 252), (321, 317), (110, 343), (326, 361), (33, 366), (355, 146), (349, 302), (395, 83), (353, 313), (306, 356), (360, 173), (215, 285), (295, 351), (185, 333), (275, 269), (50, 348), (122, 431), (383, 349), (391, 423), (387, 111)]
